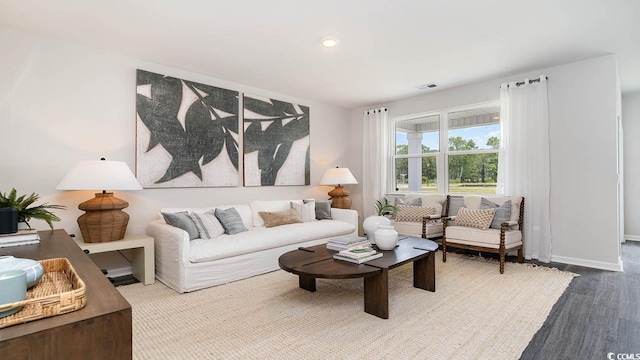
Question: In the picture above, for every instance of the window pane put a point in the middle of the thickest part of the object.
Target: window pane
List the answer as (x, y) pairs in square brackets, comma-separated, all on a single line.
[(474, 129), (476, 173), (416, 174), (418, 136)]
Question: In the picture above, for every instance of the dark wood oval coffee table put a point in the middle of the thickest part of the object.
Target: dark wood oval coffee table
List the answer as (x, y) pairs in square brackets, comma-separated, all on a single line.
[(317, 262)]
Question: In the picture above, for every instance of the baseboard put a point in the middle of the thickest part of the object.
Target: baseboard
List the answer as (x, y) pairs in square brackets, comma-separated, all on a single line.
[(632, 237), (588, 263)]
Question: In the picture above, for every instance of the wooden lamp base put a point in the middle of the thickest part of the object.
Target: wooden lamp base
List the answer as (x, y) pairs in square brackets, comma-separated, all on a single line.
[(340, 198), (104, 219)]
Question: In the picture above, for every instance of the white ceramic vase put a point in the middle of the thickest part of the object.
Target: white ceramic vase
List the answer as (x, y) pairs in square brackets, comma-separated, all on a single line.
[(370, 225), (386, 237), (32, 268)]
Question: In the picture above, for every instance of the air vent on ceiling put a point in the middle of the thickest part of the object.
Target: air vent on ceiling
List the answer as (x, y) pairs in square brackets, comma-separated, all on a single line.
[(426, 86)]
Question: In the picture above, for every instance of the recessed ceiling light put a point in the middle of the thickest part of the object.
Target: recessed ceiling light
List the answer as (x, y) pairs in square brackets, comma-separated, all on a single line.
[(496, 118), (426, 86), (329, 42)]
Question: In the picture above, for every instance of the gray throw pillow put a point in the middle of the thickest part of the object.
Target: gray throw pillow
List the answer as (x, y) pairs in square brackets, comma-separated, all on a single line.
[(323, 210), (231, 221), (183, 221), (503, 212)]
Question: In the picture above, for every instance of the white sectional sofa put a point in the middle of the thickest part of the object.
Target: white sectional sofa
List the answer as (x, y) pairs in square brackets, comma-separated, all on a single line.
[(185, 264)]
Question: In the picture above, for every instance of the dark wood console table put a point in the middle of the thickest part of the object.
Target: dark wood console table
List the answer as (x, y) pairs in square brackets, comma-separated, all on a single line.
[(100, 330)]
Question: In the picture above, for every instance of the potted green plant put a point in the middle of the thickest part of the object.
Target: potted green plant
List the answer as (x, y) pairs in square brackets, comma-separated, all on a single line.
[(384, 207), (26, 210)]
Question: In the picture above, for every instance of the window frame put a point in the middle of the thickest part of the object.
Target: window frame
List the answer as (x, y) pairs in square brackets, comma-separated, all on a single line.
[(442, 155)]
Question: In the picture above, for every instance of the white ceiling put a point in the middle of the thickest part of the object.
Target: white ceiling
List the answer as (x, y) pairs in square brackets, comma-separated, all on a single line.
[(386, 49)]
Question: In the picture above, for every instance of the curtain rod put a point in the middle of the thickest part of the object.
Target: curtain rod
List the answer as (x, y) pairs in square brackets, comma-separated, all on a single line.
[(375, 110), (531, 81)]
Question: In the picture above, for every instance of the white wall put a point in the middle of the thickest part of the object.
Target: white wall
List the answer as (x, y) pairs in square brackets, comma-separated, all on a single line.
[(631, 126), (60, 103), (582, 106)]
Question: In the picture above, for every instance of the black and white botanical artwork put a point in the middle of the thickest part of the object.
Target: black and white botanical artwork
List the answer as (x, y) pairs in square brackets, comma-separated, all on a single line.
[(276, 142), (187, 133)]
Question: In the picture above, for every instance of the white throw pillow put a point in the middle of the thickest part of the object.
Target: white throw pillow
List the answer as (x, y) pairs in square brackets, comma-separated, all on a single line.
[(306, 210)]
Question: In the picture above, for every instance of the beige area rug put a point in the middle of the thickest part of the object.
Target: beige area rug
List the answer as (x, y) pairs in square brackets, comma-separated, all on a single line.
[(475, 313)]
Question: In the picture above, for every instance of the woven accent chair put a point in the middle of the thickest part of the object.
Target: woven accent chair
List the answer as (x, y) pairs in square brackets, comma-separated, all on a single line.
[(507, 238)]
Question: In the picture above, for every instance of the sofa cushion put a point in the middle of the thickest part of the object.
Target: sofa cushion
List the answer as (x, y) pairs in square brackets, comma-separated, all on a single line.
[(230, 220), (262, 238), (323, 210), (183, 221), (279, 218), (207, 223), (475, 218), (485, 238), (306, 210), (503, 211), (413, 213)]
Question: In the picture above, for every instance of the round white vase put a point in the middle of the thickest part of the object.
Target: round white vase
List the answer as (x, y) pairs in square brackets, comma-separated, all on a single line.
[(386, 237), (370, 225)]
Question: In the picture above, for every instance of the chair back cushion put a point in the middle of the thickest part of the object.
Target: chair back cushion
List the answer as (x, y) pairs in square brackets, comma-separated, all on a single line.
[(473, 202)]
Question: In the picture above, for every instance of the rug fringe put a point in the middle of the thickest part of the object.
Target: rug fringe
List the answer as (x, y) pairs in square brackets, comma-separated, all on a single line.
[(526, 265)]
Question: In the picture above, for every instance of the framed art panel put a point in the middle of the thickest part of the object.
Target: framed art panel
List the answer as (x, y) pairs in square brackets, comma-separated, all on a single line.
[(187, 133), (276, 142)]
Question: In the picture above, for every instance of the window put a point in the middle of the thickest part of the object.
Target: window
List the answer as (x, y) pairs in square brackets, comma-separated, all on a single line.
[(463, 160), (417, 145)]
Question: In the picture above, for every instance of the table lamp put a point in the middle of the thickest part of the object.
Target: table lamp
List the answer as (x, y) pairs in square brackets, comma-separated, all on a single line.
[(339, 176), (103, 219)]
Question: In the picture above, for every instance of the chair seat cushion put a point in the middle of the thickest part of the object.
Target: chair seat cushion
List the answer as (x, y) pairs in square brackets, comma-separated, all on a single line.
[(489, 238), (414, 229)]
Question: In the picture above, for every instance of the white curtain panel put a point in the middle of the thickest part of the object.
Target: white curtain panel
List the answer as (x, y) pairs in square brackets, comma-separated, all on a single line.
[(523, 165), (374, 167)]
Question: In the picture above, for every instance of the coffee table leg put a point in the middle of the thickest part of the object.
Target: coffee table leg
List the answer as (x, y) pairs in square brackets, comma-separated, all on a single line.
[(376, 294), (424, 272), (307, 283)]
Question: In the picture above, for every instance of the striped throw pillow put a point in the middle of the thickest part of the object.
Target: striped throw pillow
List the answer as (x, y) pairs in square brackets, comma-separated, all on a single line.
[(208, 225)]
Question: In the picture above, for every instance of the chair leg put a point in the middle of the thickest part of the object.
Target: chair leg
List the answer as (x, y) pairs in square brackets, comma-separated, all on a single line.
[(520, 256), (444, 250), (502, 252)]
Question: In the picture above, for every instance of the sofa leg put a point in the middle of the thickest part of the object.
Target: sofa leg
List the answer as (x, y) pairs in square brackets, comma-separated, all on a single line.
[(520, 256), (502, 262)]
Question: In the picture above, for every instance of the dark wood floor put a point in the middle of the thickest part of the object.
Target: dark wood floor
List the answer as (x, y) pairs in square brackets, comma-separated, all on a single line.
[(598, 314)]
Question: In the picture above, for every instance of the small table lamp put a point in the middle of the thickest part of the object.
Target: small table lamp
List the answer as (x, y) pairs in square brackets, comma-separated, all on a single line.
[(339, 176), (103, 219)]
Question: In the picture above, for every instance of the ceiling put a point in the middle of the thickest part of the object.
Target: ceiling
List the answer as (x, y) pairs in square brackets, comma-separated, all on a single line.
[(387, 48)]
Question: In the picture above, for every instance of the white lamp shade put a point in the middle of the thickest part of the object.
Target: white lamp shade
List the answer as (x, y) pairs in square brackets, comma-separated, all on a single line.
[(338, 176), (100, 175)]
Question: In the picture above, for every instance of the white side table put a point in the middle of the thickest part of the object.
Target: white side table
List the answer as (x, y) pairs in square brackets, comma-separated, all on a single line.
[(143, 262)]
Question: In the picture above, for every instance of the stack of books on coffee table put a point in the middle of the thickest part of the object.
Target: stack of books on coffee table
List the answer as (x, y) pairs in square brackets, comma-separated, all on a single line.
[(22, 237), (346, 243), (358, 255)]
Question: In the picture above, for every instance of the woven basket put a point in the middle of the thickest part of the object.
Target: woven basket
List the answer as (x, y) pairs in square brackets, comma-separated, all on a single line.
[(59, 291)]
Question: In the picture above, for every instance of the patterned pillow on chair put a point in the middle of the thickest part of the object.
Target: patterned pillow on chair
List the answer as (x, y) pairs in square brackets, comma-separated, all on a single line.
[(480, 219), (408, 213)]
